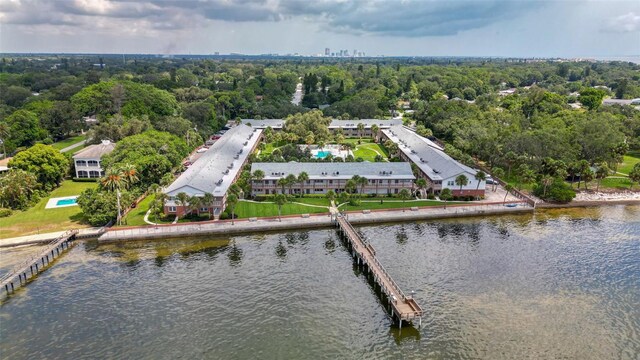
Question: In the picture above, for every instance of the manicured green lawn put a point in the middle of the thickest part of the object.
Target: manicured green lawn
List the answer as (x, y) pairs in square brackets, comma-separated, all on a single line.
[(364, 140), (627, 164), (369, 151), (311, 200), (135, 217), (40, 220), (612, 183), (320, 201), (246, 209), (68, 142), (394, 204), (268, 149)]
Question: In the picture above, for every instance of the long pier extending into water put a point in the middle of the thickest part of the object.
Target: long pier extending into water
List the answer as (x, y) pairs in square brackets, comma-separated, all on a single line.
[(405, 308), (38, 262)]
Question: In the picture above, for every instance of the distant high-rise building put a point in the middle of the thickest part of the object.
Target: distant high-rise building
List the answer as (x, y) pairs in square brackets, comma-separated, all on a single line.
[(216, 53), (327, 51), (354, 53)]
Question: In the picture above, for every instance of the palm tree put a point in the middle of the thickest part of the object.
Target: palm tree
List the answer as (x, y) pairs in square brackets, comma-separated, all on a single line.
[(129, 173), (194, 204), (166, 179), (291, 180), (601, 173), (258, 175), (153, 189), (547, 180), (114, 181), (235, 189), (498, 173), (182, 199), (232, 201), (391, 147), (421, 184), (587, 175), (581, 168), (208, 199), (280, 200), (360, 129), (321, 145), (343, 198), (480, 177), (282, 182), (508, 189), (462, 180), (362, 182), (330, 195), (302, 177), (404, 195), (445, 195), (351, 186), (374, 132)]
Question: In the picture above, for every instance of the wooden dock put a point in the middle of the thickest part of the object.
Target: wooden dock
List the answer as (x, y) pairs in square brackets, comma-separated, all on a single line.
[(403, 307), (37, 263)]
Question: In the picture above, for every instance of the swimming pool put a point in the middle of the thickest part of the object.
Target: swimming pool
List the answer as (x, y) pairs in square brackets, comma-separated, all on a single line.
[(323, 154), (63, 202)]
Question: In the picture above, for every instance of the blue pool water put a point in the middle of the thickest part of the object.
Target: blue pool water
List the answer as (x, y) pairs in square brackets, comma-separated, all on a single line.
[(66, 202), (323, 154)]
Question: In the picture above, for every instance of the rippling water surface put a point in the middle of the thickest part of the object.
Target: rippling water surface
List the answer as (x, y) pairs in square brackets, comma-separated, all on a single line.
[(558, 284)]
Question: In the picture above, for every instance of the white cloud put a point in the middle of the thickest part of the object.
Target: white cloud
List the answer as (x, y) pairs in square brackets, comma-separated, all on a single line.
[(626, 23)]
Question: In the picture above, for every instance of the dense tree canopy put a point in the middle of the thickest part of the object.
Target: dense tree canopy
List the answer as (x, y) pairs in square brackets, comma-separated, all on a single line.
[(46, 163), (152, 153)]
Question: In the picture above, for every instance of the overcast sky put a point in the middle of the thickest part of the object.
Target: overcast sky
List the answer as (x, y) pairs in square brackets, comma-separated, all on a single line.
[(564, 28)]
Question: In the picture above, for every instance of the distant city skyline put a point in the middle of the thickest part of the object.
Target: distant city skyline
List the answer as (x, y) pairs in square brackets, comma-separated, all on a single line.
[(500, 28)]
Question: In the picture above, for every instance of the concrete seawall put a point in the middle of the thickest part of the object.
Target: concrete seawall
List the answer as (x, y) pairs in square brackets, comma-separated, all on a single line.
[(241, 227)]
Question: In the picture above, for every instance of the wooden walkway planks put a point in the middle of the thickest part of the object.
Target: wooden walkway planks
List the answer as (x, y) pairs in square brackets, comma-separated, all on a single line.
[(38, 262), (405, 308)]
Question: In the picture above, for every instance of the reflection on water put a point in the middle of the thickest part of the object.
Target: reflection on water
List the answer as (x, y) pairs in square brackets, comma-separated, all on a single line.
[(557, 284)]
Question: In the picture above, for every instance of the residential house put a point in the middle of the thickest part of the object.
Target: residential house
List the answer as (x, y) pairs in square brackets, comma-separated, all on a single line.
[(88, 161)]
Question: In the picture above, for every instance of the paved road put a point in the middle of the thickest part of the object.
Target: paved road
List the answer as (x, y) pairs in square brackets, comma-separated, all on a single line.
[(297, 96)]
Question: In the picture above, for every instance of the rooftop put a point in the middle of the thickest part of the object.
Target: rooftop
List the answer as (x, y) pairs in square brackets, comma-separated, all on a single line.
[(427, 155), (264, 123), (215, 170), (382, 123), (95, 151), (336, 170)]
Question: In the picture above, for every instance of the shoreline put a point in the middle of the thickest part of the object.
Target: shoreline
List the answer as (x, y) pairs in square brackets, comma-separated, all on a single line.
[(588, 203), (297, 222)]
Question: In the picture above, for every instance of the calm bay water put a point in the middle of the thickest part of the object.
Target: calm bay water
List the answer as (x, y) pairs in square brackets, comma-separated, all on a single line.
[(557, 284)]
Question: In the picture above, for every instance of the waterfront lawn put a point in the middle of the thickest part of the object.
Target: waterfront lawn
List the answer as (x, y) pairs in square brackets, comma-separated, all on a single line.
[(37, 219), (620, 183), (135, 217), (395, 204), (246, 209), (68, 142), (628, 163)]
